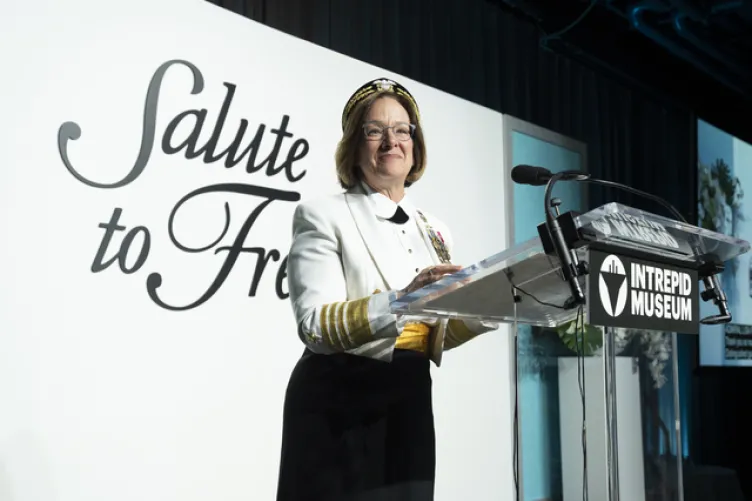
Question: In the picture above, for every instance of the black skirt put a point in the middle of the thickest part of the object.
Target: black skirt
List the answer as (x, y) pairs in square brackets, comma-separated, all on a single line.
[(357, 429)]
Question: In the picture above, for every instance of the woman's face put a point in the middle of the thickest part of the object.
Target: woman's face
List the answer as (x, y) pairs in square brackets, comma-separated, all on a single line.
[(386, 160)]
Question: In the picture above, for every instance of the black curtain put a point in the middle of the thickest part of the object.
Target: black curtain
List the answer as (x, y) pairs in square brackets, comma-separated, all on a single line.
[(477, 51)]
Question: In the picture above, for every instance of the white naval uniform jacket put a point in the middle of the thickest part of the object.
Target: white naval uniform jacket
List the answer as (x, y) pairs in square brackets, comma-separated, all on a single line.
[(345, 265)]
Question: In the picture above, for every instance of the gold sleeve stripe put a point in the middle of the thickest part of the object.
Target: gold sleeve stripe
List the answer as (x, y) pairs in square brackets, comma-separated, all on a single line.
[(460, 330), (458, 333), (352, 321), (324, 325), (342, 335), (331, 325), (360, 327), (345, 325)]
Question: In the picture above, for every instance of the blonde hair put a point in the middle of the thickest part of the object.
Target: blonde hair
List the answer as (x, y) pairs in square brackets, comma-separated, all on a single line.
[(346, 157)]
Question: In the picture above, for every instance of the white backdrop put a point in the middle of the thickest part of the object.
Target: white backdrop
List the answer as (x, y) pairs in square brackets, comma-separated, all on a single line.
[(106, 395)]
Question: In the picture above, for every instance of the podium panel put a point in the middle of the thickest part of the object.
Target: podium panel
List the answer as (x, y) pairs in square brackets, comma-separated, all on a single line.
[(485, 290), (568, 369)]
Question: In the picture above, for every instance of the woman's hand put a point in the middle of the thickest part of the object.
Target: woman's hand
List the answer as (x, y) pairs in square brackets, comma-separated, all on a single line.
[(429, 275)]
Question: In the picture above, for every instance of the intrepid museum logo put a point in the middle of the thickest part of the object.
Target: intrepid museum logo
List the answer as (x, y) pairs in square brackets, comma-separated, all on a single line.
[(612, 286), (642, 294)]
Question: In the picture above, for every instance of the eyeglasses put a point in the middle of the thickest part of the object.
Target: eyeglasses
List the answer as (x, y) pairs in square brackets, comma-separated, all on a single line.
[(376, 132)]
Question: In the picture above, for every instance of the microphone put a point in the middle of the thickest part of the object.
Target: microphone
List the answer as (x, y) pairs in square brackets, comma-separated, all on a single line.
[(539, 176)]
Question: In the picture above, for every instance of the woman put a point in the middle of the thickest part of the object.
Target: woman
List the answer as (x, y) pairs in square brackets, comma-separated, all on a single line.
[(358, 421)]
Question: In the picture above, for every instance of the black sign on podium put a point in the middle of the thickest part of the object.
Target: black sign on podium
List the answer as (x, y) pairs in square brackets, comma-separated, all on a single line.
[(634, 293)]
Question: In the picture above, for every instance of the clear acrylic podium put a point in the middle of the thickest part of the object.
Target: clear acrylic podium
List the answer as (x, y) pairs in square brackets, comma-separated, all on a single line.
[(607, 379)]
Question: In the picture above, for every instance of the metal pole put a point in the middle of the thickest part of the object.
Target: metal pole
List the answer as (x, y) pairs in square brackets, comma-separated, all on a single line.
[(612, 446), (677, 414)]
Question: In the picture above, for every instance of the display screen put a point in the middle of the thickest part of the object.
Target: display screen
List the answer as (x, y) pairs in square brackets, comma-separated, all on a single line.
[(725, 205)]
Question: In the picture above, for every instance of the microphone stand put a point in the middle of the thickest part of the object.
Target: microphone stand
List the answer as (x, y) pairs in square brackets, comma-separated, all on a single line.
[(567, 257)]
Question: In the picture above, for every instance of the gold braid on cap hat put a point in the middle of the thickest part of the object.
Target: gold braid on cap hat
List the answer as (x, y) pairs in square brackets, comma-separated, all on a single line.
[(383, 85)]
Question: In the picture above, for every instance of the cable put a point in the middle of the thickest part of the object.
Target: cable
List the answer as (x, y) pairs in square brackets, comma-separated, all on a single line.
[(516, 424), (516, 452), (550, 305), (580, 351)]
